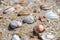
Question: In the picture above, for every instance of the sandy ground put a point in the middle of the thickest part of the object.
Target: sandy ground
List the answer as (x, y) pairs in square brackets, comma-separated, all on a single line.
[(26, 29)]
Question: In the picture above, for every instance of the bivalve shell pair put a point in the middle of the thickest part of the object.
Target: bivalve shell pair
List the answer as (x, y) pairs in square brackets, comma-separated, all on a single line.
[(15, 24)]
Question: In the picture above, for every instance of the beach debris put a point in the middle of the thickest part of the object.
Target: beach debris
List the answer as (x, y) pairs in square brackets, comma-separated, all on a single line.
[(39, 29), (42, 19), (45, 6), (8, 9), (28, 20), (15, 37), (24, 13), (15, 24), (51, 15), (1, 17)]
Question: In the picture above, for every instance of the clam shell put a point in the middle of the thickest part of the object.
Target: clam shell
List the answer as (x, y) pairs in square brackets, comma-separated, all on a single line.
[(51, 15), (8, 9), (14, 24), (28, 20), (15, 37), (46, 6)]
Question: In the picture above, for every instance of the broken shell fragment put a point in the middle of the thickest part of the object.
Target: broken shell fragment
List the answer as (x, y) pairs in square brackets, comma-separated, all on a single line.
[(42, 19), (15, 37), (14, 24), (39, 29), (45, 6), (51, 15), (8, 9), (29, 20)]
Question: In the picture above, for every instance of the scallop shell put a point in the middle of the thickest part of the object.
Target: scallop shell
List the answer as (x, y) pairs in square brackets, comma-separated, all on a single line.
[(28, 20), (15, 37), (51, 15), (14, 24), (8, 9), (39, 29)]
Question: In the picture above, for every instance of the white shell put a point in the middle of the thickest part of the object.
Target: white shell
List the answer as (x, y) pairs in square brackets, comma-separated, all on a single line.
[(15, 37), (9, 9), (51, 15), (58, 10)]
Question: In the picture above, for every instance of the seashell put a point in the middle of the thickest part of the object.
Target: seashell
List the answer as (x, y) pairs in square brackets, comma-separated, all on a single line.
[(8, 9), (51, 15), (42, 19), (39, 29), (45, 6), (15, 37), (14, 24), (24, 13), (1, 17), (28, 20)]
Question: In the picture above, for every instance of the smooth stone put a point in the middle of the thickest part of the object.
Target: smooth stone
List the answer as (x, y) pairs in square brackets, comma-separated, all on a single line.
[(29, 20), (14, 24), (51, 15), (15, 37)]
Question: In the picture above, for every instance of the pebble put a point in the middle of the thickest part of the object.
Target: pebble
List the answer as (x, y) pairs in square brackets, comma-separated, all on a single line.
[(51, 15), (39, 29), (45, 6), (42, 19), (15, 37), (14, 24), (8, 9), (28, 20)]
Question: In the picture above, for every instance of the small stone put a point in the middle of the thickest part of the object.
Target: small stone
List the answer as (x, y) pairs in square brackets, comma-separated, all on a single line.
[(51, 15), (42, 19), (14, 24), (15, 37), (45, 6), (39, 29), (25, 38), (29, 20)]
